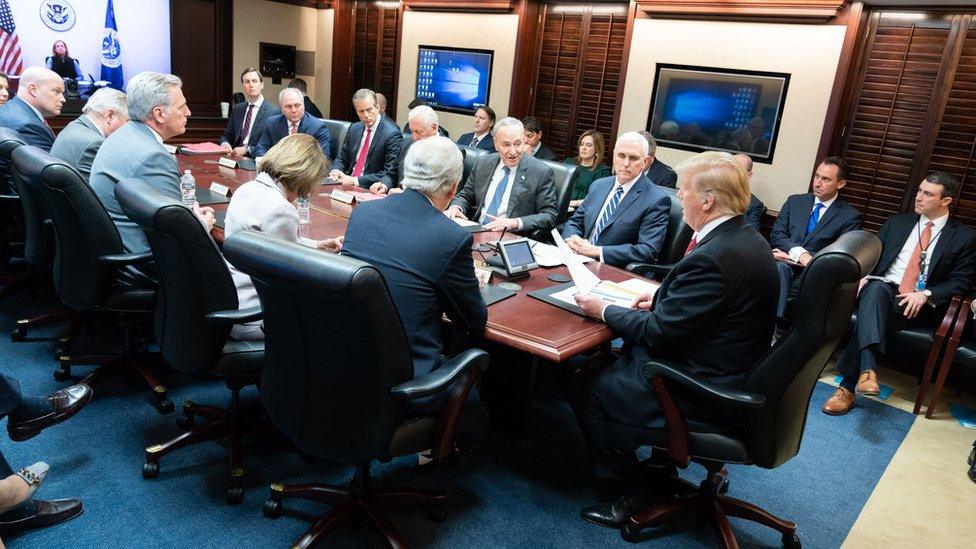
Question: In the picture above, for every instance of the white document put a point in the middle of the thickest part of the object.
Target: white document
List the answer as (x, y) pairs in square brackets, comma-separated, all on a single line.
[(582, 277), (308, 242), (618, 293), (464, 222), (547, 255)]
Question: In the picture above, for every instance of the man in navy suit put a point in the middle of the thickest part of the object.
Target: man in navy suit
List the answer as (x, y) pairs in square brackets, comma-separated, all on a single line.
[(808, 222), (40, 96), (248, 118), (658, 172), (424, 257), (926, 258), (756, 209), (624, 218), (481, 137), (369, 152), (293, 119)]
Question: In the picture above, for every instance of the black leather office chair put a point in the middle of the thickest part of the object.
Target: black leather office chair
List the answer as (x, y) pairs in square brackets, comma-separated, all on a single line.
[(88, 256), (337, 134), (238, 97), (761, 423), (565, 178), (675, 242), (338, 371), (471, 156), (11, 222), (196, 309)]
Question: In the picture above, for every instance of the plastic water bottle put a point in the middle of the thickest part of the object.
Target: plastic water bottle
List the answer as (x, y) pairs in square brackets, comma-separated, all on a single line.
[(188, 189), (304, 205)]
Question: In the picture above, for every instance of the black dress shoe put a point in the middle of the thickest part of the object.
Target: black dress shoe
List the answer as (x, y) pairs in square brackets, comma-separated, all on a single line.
[(65, 403), (47, 513), (972, 464), (614, 513)]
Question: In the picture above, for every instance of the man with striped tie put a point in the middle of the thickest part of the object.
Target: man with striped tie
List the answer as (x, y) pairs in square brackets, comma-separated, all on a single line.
[(624, 218), (926, 258)]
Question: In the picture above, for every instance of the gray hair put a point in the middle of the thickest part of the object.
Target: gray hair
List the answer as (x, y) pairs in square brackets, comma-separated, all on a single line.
[(364, 93), (425, 114), (432, 166), (284, 91), (507, 122), (106, 99), (651, 142), (148, 90), (635, 138)]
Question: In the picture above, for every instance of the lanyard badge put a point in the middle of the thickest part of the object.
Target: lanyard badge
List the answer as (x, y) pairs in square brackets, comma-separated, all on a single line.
[(920, 285)]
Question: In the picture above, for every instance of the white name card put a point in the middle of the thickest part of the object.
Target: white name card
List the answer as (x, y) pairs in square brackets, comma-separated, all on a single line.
[(171, 149), (227, 162), (342, 196), (222, 190)]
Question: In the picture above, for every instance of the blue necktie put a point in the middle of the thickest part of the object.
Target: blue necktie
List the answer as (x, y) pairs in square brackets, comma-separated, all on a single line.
[(497, 199), (607, 214), (814, 216)]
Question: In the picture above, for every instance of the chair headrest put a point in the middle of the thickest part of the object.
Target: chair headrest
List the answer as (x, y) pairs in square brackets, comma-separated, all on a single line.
[(32, 161), (862, 246), (10, 140), (142, 201)]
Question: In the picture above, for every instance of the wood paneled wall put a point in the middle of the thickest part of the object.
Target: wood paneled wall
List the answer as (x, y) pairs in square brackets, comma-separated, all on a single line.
[(201, 38)]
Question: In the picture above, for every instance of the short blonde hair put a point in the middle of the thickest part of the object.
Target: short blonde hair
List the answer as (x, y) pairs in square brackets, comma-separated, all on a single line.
[(719, 175), (297, 163)]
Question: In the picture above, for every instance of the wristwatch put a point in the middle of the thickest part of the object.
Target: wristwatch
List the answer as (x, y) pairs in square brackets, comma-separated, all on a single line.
[(927, 292)]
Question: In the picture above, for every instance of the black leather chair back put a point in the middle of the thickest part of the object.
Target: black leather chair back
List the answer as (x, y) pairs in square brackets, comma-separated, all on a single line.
[(38, 239), (334, 347), (679, 233), (83, 230), (471, 155), (9, 140), (788, 374), (193, 278), (337, 134), (565, 178)]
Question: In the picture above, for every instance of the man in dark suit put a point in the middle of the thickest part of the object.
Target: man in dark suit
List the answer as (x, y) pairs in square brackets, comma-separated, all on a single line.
[(713, 314), (658, 172), (481, 137), (300, 85), (424, 257), (423, 123), (293, 119), (248, 118), (370, 149), (624, 218), (533, 139), (508, 190), (406, 127), (808, 222), (756, 209), (80, 140), (926, 258), (40, 96)]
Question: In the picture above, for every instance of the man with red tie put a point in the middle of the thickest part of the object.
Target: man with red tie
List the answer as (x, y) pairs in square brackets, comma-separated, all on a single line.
[(371, 148), (926, 258), (293, 119), (248, 118)]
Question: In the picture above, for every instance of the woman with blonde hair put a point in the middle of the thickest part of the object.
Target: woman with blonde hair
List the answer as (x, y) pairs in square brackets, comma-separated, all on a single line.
[(589, 158)]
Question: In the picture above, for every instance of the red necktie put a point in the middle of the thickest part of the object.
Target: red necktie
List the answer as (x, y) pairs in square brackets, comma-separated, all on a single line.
[(292, 129), (909, 281), (691, 245), (361, 159), (247, 126)]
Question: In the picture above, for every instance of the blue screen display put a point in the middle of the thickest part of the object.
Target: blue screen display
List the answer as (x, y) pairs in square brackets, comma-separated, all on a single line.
[(712, 105), (455, 80)]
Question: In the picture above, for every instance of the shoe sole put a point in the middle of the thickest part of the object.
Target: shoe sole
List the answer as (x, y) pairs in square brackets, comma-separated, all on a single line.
[(844, 413), (20, 434), (601, 523), (869, 393), (23, 526)]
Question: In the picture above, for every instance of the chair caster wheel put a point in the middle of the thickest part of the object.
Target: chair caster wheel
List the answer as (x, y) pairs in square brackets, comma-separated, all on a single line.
[(150, 469), (791, 541), (235, 495), (59, 352), (165, 406), (437, 512), (629, 535), (62, 374), (185, 422), (724, 489), (19, 334), (272, 508)]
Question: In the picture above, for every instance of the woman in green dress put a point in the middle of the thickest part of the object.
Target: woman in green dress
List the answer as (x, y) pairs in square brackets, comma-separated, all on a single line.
[(590, 162)]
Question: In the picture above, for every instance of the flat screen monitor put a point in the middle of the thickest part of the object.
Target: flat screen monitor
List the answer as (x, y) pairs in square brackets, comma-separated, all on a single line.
[(702, 108), (277, 60), (454, 79)]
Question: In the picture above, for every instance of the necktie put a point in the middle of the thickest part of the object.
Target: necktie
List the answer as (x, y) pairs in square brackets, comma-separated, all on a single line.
[(910, 279), (691, 245), (497, 199), (474, 142), (361, 159), (814, 217), (292, 129), (246, 128), (607, 214)]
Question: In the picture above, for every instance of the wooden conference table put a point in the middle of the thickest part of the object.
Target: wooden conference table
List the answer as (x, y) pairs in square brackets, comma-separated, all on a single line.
[(520, 322)]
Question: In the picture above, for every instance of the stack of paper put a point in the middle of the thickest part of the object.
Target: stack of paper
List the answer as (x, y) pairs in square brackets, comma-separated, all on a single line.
[(363, 196), (195, 149), (547, 255)]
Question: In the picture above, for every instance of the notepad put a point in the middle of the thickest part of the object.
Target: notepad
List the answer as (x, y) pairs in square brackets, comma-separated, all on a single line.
[(195, 149)]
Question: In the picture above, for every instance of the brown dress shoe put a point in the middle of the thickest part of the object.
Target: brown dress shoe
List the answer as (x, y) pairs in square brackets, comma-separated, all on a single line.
[(840, 403), (867, 384)]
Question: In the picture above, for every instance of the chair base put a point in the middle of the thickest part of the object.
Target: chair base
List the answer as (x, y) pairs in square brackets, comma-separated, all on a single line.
[(24, 325), (706, 503), (354, 501)]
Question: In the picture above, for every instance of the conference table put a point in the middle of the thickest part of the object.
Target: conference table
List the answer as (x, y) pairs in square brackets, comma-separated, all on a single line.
[(521, 322)]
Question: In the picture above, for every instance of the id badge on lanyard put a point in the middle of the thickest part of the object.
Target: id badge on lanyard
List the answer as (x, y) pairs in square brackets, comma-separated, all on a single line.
[(922, 275)]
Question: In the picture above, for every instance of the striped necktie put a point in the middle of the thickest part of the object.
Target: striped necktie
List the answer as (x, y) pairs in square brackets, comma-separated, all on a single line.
[(607, 214)]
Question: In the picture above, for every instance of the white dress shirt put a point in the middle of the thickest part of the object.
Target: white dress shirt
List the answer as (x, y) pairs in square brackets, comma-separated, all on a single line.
[(626, 186), (97, 127), (496, 179), (708, 227), (897, 269), (245, 141), (478, 138), (796, 251), (37, 112)]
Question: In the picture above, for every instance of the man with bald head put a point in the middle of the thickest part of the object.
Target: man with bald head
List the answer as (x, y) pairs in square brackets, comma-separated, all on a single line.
[(293, 119), (40, 96), (756, 209)]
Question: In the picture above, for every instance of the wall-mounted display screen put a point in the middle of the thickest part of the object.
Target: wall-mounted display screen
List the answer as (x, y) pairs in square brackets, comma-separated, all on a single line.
[(701, 108), (454, 79), (277, 60)]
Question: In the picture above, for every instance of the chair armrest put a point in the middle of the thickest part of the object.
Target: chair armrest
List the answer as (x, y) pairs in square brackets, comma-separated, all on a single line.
[(721, 394), (439, 379), (126, 259), (9, 198), (235, 316), (650, 270)]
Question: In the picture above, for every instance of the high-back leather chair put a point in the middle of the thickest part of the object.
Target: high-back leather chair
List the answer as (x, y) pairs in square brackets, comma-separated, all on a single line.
[(338, 371), (337, 134), (675, 242), (11, 224), (88, 256), (471, 156), (762, 422), (196, 309), (565, 178)]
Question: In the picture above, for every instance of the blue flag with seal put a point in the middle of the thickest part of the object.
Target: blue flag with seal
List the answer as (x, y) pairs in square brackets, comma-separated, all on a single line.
[(112, 51)]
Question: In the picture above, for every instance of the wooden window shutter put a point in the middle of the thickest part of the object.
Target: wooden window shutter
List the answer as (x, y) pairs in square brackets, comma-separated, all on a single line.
[(375, 51)]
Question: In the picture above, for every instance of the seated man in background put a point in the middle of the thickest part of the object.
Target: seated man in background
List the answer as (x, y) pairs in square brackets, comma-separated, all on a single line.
[(807, 223), (926, 258), (533, 139), (157, 111), (658, 172), (300, 85), (508, 190), (370, 149), (481, 138), (248, 118), (80, 140), (381, 103), (624, 218), (422, 121), (424, 257), (40, 96), (713, 314), (293, 119), (413, 105), (756, 209)]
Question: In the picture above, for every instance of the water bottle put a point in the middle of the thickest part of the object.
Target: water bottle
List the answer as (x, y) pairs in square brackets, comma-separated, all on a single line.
[(188, 189), (304, 205)]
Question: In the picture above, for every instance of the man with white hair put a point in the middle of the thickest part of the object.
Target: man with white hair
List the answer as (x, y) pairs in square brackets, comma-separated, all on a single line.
[(424, 257), (80, 140), (40, 96), (624, 217), (508, 190), (157, 111), (423, 123), (293, 119)]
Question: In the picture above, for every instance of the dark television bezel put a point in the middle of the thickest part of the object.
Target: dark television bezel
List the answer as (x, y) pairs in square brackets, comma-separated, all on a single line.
[(491, 68), (738, 72), (261, 58)]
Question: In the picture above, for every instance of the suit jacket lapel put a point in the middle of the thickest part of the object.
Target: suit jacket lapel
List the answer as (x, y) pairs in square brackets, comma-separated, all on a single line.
[(592, 216), (824, 219), (896, 240), (518, 186), (948, 232), (627, 200)]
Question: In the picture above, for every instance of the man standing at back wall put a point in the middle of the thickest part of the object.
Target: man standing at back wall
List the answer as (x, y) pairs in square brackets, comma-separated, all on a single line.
[(369, 152), (80, 140), (249, 118), (293, 119)]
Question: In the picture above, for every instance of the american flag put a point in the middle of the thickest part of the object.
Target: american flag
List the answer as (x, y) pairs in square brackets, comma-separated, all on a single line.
[(11, 60)]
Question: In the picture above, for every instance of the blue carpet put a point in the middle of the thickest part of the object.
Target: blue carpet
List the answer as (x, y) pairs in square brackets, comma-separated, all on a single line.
[(516, 491)]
